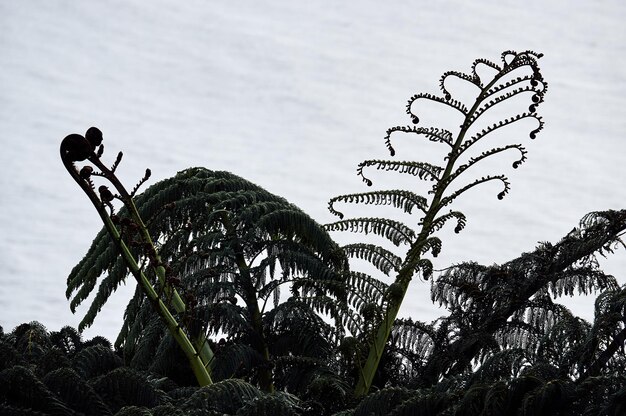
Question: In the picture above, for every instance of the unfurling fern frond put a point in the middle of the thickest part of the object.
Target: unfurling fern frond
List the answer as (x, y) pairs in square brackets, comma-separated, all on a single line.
[(424, 171), (431, 133), (518, 81)]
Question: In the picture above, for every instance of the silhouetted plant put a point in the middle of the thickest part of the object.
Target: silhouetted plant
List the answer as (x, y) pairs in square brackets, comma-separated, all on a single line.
[(506, 346), (133, 241), (517, 76)]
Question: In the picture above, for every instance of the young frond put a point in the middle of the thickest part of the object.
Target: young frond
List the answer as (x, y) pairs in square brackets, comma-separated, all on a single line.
[(394, 231), (472, 161), (422, 170), (432, 244), (431, 133), (536, 99), (505, 181), (493, 127), (472, 79), (485, 62), (440, 221), (457, 105)]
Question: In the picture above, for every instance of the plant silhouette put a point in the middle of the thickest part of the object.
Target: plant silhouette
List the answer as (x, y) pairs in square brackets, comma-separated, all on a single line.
[(518, 76)]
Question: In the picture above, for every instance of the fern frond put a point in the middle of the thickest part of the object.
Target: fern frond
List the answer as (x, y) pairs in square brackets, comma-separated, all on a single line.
[(126, 387), (440, 221), (472, 79), (270, 406), (397, 198), (95, 361), (234, 360), (383, 402), (75, 392), (226, 397), (422, 170), (457, 105), (21, 389), (382, 259), (414, 336), (394, 231), (431, 133), (505, 181)]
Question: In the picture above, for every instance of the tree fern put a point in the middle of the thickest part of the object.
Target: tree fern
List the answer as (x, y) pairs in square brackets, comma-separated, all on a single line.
[(517, 76), (220, 239), (510, 303)]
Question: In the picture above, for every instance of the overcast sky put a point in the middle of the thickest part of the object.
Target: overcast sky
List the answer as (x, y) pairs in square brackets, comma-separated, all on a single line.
[(292, 96)]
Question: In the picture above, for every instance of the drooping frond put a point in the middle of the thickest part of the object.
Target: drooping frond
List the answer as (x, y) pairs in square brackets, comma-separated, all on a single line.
[(511, 301), (382, 259), (126, 387), (406, 200), (20, 387), (413, 338), (76, 392), (394, 231), (220, 239)]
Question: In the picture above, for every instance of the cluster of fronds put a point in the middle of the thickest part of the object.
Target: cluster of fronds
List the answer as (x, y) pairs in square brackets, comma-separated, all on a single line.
[(57, 373), (507, 347), (229, 246)]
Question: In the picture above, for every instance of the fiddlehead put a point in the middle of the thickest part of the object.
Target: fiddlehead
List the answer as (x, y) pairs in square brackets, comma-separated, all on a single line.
[(76, 148)]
